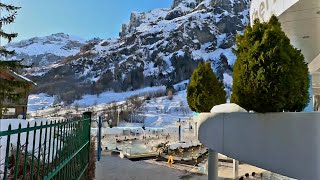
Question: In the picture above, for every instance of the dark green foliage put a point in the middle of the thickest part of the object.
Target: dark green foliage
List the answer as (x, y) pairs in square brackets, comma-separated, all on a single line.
[(204, 90), (169, 86), (183, 65), (133, 80), (222, 67), (8, 88), (270, 75), (106, 79)]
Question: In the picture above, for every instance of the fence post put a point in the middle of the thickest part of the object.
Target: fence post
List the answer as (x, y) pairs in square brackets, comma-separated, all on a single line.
[(99, 138), (87, 115)]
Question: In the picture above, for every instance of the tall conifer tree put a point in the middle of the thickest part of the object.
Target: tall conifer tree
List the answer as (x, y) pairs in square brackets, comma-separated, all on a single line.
[(205, 90), (8, 88), (270, 74)]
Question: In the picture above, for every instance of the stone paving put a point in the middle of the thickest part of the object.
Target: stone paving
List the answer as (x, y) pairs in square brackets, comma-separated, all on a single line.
[(115, 168)]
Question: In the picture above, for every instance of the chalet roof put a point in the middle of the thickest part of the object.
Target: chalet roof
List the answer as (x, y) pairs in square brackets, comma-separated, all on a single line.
[(24, 78), (20, 77)]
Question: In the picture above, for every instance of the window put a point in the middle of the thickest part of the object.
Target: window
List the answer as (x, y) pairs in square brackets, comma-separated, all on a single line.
[(10, 112)]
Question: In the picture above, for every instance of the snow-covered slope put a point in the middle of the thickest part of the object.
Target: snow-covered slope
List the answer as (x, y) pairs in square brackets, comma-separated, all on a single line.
[(46, 50), (159, 47)]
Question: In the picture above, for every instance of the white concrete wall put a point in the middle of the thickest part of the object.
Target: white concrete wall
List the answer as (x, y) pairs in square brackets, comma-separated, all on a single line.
[(284, 143), (264, 9)]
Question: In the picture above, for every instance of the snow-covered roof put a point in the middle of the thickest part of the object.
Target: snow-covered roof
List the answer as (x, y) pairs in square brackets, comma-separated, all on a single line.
[(24, 78), (20, 77)]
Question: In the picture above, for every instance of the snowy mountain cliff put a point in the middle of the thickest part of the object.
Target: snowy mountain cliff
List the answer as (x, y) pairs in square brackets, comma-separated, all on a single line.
[(46, 50), (159, 47)]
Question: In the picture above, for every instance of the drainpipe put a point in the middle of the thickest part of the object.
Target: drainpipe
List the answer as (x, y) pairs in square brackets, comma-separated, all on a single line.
[(235, 169), (195, 129)]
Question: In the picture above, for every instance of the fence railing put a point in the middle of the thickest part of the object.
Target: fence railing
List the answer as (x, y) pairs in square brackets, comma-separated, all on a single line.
[(49, 150)]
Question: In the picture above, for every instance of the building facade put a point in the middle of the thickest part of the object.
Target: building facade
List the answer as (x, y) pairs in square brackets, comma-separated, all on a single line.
[(14, 109)]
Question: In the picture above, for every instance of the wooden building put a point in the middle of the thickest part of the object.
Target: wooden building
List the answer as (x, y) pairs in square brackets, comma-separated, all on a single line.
[(16, 110)]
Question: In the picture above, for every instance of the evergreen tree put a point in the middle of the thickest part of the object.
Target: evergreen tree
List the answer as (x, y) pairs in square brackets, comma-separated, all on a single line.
[(222, 67), (8, 88), (270, 75), (204, 90)]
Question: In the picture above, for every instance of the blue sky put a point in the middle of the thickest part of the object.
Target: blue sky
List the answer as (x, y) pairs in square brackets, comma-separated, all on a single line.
[(82, 18)]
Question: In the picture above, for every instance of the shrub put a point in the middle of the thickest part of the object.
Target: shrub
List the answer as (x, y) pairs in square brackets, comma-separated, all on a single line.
[(270, 75), (204, 90)]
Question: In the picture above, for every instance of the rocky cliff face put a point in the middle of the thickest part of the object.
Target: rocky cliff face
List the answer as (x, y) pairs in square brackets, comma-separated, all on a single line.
[(155, 48)]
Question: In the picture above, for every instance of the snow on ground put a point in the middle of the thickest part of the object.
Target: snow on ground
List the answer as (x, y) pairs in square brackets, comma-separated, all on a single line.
[(176, 145), (162, 112), (227, 79), (39, 101), (214, 55), (227, 108), (109, 96), (42, 100), (157, 112)]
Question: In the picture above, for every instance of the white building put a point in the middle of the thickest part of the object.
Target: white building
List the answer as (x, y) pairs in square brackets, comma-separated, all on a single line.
[(300, 19)]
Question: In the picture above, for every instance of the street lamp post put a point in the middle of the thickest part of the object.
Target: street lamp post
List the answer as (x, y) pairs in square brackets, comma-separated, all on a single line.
[(179, 130), (110, 123), (118, 118)]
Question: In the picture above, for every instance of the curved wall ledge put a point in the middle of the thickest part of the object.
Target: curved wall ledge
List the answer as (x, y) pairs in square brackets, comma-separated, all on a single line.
[(284, 143)]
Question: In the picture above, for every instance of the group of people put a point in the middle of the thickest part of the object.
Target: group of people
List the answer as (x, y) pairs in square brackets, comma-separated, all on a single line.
[(253, 176)]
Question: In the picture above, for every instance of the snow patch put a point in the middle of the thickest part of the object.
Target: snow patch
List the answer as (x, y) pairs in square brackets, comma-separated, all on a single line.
[(227, 108)]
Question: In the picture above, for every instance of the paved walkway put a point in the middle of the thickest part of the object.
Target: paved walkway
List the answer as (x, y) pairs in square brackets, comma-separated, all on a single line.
[(115, 168)]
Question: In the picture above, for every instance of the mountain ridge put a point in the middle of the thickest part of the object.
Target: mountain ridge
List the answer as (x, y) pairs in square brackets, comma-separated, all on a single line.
[(46, 50), (158, 47)]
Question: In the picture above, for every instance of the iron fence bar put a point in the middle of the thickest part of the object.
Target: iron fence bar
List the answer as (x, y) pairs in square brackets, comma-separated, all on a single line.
[(56, 160), (64, 163), (50, 133), (26, 154), (6, 164), (39, 152), (53, 147), (45, 148), (84, 169), (16, 168), (88, 115), (68, 154), (99, 138), (60, 148), (74, 161), (33, 146), (65, 145)]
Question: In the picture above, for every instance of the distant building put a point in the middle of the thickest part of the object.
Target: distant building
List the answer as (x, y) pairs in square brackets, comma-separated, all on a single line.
[(16, 110)]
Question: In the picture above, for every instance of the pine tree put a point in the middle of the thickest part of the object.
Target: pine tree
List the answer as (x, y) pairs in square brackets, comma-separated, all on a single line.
[(204, 90), (270, 75), (8, 87)]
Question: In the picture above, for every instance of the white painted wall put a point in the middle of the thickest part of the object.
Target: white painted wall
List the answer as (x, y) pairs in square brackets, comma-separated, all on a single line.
[(264, 9)]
